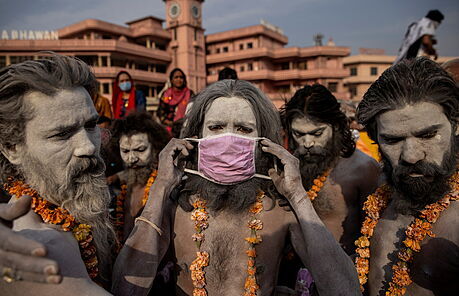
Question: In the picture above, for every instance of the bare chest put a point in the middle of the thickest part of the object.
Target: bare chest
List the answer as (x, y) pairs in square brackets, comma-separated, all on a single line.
[(226, 245), (432, 269)]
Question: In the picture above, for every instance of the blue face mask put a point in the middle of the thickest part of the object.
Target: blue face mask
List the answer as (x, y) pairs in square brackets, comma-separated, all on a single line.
[(125, 86)]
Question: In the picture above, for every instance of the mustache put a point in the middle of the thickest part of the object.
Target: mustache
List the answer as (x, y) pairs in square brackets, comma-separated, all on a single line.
[(317, 151), (82, 168), (402, 171)]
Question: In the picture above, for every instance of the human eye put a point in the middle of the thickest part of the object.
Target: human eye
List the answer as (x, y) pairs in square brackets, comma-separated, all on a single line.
[(124, 150), (215, 127), (62, 135), (318, 134), (142, 149), (297, 134), (244, 129), (428, 135), (91, 125), (390, 140)]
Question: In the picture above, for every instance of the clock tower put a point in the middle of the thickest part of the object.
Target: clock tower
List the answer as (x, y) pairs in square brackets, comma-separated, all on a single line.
[(184, 22)]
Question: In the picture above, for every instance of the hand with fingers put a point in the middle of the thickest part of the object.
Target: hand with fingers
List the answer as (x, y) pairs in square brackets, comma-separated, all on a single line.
[(170, 166), (288, 181), (22, 258)]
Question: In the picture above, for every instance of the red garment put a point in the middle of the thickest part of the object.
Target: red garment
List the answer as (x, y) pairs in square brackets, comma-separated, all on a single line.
[(178, 98), (117, 100)]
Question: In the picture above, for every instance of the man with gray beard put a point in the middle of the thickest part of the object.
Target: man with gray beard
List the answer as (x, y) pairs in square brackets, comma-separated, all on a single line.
[(49, 143), (140, 139)]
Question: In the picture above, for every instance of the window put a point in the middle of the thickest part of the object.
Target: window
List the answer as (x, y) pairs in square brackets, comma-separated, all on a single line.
[(175, 34), (161, 68), (242, 68), (249, 67), (104, 61), (285, 66), (303, 65), (353, 71), (250, 45), (241, 46), (2, 61), (373, 71), (333, 86), (208, 52), (353, 90), (105, 88), (218, 50), (225, 49)]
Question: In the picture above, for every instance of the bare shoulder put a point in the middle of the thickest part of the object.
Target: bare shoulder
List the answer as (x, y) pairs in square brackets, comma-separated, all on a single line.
[(448, 223), (360, 164)]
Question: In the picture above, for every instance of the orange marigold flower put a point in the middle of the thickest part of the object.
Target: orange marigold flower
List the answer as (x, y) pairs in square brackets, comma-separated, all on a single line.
[(255, 224), (412, 244), (251, 253), (199, 203), (395, 291), (362, 242), (198, 237), (418, 230), (368, 226), (256, 208), (254, 240), (199, 292), (199, 215), (405, 255), (401, 275), (362, 265), (363, 252)]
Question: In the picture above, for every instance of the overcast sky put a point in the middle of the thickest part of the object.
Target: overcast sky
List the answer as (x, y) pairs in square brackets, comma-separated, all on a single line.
[(354, 23)]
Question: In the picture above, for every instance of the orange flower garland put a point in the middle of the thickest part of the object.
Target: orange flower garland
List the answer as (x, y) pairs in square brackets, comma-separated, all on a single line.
[(251, 286), (318, 183), (415, 233), (120, 198), (53, 214), (200, 216)]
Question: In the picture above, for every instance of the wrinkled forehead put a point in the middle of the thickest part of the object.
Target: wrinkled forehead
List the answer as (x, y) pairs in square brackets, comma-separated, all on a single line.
[(230, 109), (136, 139)]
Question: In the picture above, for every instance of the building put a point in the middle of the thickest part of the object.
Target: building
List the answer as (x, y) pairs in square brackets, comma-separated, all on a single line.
[(364, 68), (259, 55), (148, 48)]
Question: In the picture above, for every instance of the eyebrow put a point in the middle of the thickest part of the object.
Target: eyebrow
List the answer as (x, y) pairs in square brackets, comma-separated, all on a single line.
[(416, 134), (244, 123), (71, 127), (427, 130), (319, 129)]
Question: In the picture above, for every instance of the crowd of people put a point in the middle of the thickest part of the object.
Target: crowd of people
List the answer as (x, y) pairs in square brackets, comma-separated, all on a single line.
[(220, 193)]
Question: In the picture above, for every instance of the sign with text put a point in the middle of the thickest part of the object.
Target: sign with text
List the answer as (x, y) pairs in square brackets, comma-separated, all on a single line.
[(28, 35)]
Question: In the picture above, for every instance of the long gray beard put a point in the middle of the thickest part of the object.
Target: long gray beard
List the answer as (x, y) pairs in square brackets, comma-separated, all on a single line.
[(83, 193)]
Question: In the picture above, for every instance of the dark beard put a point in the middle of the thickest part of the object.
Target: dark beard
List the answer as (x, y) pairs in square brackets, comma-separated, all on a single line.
[(317, 161), (138, 176), (232, 198), (416, 193), (83, 193)]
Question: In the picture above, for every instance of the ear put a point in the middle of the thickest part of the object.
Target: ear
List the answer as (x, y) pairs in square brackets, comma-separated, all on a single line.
[(456, 126), (12, 153)]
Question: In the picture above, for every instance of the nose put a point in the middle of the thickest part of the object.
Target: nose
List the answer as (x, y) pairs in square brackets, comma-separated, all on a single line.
[(132, 158), (308, 142), (86, 145), (412, 152)]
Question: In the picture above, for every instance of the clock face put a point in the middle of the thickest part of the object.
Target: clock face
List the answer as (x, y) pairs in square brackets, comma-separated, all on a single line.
[(174, 10), (195, 11)]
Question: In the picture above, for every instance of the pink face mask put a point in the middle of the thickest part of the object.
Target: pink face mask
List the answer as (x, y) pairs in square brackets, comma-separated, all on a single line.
[(227, 158)]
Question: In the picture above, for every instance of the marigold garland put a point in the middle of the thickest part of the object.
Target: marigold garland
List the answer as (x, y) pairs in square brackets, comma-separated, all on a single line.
[(120, 199), (53, 214), (415, 233), (200, 216), (317, 185)]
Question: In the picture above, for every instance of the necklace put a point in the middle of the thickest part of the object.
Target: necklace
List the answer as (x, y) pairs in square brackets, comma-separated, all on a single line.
[(53, 214), (200, 216), (120, 199), (415, 233), (317, 185)]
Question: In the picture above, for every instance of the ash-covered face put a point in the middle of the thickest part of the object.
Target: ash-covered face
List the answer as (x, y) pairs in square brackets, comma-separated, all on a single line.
[(418, 149), (311, 138), (230, 115), (136, 150), (63, 132)]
